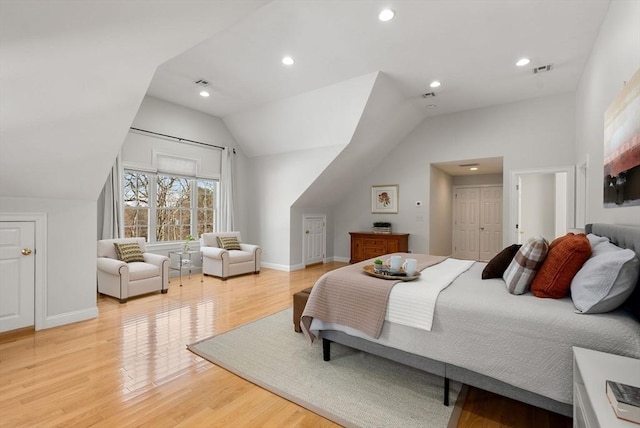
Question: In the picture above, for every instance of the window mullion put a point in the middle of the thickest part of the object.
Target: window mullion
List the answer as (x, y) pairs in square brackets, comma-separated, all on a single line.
[(153, 201), (194, 207)]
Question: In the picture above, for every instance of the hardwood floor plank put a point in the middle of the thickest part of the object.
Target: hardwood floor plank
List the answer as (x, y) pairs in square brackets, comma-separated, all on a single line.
[(130, 366)]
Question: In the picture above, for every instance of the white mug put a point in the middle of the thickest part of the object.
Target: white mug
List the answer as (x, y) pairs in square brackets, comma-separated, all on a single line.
[(395, 263), (410, 266)]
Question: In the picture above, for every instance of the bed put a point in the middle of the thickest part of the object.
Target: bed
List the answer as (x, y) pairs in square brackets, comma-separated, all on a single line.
[(518, 346)]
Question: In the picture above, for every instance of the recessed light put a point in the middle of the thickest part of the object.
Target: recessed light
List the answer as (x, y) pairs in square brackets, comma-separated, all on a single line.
[(522, 62), (434, 84), (287, 60), (431, 106), (473, 168), (204, 93), (386, 15)]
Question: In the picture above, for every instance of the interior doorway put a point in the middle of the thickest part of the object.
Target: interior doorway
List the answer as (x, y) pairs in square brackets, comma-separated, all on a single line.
[(542, 203)]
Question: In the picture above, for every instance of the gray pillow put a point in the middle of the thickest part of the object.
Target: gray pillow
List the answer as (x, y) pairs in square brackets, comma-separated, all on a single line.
[(605, 280), (525, 265)]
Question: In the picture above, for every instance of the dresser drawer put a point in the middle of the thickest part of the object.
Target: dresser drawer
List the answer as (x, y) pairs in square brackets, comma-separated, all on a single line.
[(372, 252), (371, 242), (372, 245)]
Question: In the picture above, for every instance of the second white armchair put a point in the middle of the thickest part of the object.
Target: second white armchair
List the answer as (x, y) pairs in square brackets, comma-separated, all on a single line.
[(224, 255)]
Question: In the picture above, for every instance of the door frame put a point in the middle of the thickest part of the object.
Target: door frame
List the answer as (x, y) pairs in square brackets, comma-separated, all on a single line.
[(40, 261), (324, 237), (514, 209), (454, 208)]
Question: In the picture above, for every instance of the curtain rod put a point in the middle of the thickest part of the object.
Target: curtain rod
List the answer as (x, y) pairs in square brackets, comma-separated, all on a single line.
[(181, 139)]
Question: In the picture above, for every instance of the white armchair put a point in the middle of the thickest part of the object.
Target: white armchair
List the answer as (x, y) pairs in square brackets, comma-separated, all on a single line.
[(123, 280), (223, 263)]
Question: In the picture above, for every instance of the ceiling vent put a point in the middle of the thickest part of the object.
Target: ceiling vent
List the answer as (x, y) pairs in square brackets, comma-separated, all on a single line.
[(429, 95), (467, 165), (542, 69), (201, 82)]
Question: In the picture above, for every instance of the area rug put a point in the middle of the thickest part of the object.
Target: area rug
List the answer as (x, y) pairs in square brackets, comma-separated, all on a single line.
[(354, 389)]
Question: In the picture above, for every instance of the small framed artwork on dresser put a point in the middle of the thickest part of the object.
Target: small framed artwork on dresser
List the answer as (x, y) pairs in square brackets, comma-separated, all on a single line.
[(384, 199)]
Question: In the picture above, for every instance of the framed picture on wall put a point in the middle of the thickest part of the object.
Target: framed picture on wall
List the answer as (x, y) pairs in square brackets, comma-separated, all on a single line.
[(622, 147), (384, 199)]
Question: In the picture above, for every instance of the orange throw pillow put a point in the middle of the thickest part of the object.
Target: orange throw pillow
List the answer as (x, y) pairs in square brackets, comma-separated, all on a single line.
[(566, 256)]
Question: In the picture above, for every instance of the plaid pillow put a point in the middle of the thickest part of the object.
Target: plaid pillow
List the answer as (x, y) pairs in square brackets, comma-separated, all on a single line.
[(130, 252), (228, 242), (524, 266)]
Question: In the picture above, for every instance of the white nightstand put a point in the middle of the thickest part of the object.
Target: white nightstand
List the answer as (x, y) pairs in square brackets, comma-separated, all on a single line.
[(591, 369)]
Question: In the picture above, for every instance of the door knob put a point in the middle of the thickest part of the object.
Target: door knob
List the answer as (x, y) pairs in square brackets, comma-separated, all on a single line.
[(307, 232), (26, 251)]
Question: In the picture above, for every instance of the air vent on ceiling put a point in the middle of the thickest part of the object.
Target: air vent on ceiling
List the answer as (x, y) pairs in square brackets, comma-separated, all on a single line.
[(542, 69), (429, 95), (467, 165), (201, 82)]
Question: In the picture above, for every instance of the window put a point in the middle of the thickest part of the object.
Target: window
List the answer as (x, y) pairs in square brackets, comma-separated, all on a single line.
[(136, 205), (172, 206)]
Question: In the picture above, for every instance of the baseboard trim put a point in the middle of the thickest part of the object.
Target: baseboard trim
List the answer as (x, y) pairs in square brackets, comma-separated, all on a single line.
[(70, 317)]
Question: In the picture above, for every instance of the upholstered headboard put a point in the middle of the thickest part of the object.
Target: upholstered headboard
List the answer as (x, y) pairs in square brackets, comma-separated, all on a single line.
[(624, 237)]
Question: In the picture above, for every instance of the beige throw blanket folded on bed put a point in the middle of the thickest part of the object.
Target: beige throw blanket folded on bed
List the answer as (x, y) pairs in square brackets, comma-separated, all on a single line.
[(350, 297)]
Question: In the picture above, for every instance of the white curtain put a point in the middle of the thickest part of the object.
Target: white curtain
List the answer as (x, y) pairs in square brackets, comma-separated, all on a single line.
[(225, 215), (110, 221)]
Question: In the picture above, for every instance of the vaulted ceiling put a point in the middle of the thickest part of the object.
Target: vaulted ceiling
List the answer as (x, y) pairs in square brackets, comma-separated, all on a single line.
[(470, 46), (72, 74)]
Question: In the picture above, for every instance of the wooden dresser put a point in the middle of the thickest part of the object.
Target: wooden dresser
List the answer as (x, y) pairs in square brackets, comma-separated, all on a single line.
[(365, 245)]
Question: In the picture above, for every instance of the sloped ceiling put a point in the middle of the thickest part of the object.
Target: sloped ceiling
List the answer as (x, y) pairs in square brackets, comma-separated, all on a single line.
[(386, 120), (471, 46), (321, 118), (73, 74)]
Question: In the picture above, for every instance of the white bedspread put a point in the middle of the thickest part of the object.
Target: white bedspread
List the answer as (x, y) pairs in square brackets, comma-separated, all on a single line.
[(413, 303)]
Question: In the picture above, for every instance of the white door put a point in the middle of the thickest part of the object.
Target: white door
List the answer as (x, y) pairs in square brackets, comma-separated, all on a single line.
[(466, 223), (490, 222), (17, 275), (314, 239), (477, 228)]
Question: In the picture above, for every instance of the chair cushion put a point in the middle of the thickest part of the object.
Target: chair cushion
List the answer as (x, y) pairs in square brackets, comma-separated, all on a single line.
[(228, 242), (129, 252), (237, 256), (139, 271)]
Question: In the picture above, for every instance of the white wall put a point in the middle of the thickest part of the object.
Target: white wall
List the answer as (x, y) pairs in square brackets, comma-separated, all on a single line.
[(524, 134), (440, 220), (538, 206), (614, 59), (325, 119), (280, 180), (70, 254)]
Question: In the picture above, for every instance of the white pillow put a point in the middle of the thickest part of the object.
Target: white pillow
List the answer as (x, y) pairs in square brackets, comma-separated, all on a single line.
[(595, 240), (605, 280)]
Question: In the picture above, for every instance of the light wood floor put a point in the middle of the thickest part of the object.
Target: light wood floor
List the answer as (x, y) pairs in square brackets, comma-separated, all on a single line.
[(130, 366)]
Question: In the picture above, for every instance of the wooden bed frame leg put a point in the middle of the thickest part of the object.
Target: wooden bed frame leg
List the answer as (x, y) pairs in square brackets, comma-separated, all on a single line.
[(446, 391), (326, 349)]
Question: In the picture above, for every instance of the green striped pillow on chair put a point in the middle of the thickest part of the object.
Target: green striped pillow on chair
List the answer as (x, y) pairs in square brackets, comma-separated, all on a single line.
[(129, 252), (228, 242)]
